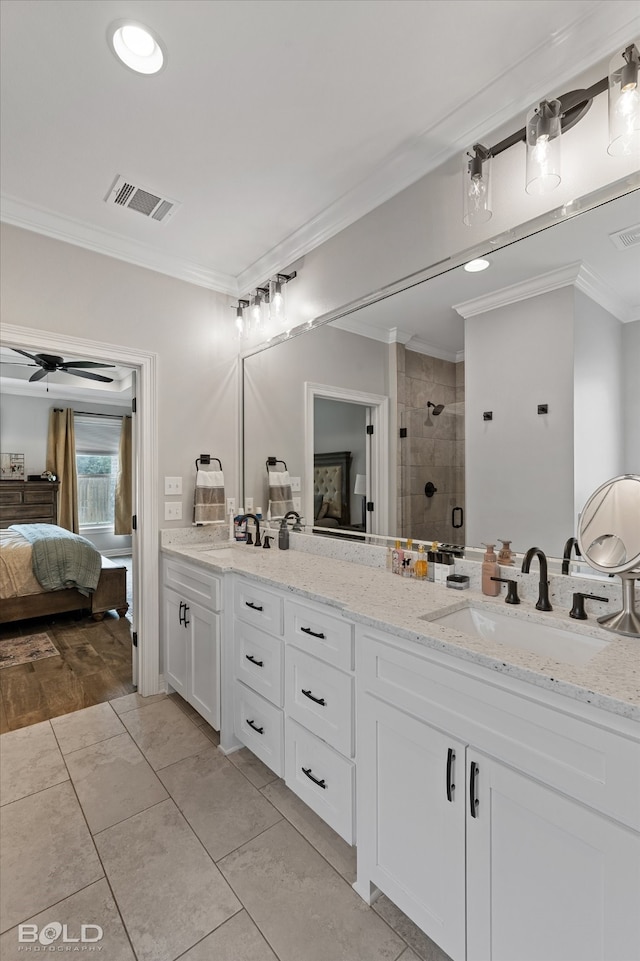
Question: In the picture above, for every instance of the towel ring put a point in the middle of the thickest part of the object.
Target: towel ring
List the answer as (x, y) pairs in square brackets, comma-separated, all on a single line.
[(205, 460), (272, 461)]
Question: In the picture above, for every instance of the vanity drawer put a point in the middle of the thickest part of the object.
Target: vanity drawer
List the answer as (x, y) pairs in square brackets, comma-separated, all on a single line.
[(257, 659), (324, 635), (258, 606), (320, 697), (193, 583), (323, 779), (259, 725)]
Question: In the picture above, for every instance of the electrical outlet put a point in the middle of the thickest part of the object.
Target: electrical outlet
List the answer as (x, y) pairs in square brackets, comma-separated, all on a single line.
[(173, 485), (295, 483), (173, 510), (231, 505), (297, 504), (248, 501)]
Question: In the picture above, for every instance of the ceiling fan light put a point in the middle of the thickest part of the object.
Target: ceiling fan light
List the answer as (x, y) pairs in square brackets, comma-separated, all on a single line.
[(624, 103), (136, 46)]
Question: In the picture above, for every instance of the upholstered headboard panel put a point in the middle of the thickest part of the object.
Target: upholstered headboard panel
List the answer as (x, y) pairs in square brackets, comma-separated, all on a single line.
[(331, 486)]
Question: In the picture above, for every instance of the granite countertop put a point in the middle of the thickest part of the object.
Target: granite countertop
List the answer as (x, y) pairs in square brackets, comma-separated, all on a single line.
[(610, 680)]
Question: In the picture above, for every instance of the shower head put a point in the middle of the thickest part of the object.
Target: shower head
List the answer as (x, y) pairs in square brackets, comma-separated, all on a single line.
[(437, 408)]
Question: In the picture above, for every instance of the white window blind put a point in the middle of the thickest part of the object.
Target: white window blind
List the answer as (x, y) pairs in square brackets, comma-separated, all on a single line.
[(97, 435)]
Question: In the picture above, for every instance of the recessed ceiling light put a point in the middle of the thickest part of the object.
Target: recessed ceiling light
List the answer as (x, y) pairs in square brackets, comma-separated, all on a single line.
[(138, 47), (475, 265)]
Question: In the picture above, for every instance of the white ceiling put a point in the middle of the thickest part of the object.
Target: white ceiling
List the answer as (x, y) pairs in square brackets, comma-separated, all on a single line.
[(275, 123)]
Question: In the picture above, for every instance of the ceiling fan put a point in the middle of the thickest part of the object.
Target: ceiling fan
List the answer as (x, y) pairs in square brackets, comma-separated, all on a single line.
[(50, 363)]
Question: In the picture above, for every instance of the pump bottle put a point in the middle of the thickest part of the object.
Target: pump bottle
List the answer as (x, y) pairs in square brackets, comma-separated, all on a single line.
[(490, 569)]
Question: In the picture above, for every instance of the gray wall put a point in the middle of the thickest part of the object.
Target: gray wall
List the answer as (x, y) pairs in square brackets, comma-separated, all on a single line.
[(631, 394)]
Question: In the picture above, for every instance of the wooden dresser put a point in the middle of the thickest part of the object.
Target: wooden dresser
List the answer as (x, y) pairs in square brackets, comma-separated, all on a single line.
[(28, 502)]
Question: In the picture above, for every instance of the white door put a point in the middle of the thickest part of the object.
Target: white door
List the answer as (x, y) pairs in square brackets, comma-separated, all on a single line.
[(420, 824), (546, 877)]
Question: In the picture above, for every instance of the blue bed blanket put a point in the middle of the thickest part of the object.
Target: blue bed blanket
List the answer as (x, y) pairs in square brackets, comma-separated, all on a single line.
[(61, 559)]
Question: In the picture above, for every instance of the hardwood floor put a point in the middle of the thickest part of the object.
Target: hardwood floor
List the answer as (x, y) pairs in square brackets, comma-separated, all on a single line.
[(94, 666)]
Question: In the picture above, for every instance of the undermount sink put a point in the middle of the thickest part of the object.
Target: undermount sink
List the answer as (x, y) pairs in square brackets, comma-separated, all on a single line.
[(543, 639), (224, 553)]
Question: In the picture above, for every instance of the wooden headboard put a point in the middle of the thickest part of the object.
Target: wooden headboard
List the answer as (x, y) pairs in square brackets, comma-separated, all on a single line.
[(28, 502), (332, 479)]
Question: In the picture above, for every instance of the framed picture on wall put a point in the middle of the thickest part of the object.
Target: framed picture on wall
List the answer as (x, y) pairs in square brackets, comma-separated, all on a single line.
[(12, 467)]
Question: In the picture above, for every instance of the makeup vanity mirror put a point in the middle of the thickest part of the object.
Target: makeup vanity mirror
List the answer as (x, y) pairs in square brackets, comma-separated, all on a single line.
[(609, 540), (524, 374)]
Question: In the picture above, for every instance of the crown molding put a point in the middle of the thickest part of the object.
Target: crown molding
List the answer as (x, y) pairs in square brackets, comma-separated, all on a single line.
[(382, 334), (80, 234), (420, 346), (577, 275)]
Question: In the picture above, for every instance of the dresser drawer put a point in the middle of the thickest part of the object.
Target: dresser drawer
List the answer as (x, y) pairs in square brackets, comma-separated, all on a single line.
[(321, 777), (259, 725), (324, 635), (193, 583), (258, 606), (257, 659), (320, 697)]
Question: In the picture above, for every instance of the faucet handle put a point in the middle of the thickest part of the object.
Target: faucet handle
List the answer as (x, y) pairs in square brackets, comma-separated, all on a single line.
[(267, 541), (512, 590), (577, 611)]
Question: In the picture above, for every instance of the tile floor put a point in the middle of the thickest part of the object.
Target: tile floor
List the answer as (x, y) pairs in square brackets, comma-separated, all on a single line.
[(126, 816)]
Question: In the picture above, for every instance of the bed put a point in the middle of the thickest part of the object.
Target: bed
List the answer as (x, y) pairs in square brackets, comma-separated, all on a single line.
[(332, 489), (22, 597)]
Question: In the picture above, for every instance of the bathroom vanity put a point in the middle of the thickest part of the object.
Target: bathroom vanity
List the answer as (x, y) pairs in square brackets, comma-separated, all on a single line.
[(493, 792)]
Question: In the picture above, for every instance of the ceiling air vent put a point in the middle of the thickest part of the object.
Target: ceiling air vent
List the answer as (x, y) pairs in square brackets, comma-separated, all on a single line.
[(629, 237), (124, 193)]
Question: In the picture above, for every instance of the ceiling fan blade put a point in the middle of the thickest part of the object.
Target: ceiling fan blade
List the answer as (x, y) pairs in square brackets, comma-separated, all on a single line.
[(39, 374), (87, 374), (24, 354), (84, 363)]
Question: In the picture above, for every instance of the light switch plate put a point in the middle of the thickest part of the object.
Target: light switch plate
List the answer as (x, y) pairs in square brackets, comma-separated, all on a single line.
[(173, 510), (173, 485), (248, 502), (231, 505), (297, 504), (295, 483)]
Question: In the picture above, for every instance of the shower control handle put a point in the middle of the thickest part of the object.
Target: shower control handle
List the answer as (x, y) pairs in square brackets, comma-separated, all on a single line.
[(430, 489)]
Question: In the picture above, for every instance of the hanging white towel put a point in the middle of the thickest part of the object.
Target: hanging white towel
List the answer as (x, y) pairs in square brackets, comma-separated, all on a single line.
[(209, 501), (280, 500)]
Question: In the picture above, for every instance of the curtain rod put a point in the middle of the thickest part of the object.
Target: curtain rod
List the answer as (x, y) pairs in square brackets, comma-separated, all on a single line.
[(88, 413)]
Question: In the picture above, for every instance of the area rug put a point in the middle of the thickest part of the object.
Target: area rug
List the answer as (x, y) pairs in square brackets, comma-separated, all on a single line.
[(21, 650)]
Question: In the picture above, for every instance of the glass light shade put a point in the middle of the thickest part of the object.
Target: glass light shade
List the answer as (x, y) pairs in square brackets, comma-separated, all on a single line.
[(543, 147), (624, 104), (476, 184), (277, 304), (241, 325)]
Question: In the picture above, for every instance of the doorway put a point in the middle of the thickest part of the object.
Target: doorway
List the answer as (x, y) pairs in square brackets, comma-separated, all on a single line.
[(145, 630)]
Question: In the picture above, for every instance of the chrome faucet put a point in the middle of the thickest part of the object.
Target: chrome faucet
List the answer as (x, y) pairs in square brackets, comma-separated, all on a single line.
[(571, 544), (253, 517), (542, 603)]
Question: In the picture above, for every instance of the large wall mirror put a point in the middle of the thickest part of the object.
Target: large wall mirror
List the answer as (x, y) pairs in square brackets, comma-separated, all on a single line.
[(499, 399)]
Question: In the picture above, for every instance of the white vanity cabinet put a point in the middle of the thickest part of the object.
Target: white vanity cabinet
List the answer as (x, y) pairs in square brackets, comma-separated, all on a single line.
[(501, 819), (191, 605)]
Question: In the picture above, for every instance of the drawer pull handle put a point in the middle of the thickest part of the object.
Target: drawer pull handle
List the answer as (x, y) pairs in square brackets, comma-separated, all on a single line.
[(322, 783), (182, 613), (254, 607), (251, 658), (451, 756), (258, 730), (184, 616), (307, 630), (316, 700), (473, 801)]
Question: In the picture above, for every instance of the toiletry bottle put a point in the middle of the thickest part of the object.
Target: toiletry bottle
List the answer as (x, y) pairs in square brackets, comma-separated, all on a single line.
[(421, 565), (395, 561), (490, 569), (400, 558), (448, 567), (431, 559), (505, 556), (408, 559), (283, 535), (389, 562)]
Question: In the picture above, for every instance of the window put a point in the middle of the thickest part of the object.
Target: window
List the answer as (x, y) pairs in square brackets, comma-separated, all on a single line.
[(97, 463)]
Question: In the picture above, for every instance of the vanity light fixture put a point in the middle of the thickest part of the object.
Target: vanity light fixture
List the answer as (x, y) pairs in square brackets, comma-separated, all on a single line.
[(242, 327), (475, 266), (136, 46), (266, 305), (545, 124)]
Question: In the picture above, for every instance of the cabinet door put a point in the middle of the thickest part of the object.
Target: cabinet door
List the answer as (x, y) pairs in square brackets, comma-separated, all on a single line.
[(414, 832), (176, 641), (203, 687), (546, 877)]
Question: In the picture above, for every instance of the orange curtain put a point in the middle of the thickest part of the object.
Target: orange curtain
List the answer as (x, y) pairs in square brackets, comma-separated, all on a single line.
[(61, 461)]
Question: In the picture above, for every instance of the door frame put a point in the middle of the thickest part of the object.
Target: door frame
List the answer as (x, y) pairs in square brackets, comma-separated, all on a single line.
[(377, 476), (146, 472)]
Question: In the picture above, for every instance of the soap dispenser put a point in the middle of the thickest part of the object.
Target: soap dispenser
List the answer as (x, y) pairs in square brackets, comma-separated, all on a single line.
[(490, 569), (283, 535), (505, 555)]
